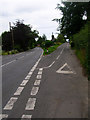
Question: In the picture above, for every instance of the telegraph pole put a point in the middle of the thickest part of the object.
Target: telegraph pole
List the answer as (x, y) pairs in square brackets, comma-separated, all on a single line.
[(11, 30)]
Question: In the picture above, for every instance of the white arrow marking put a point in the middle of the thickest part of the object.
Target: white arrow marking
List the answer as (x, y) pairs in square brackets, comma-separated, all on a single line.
[(63, 71)]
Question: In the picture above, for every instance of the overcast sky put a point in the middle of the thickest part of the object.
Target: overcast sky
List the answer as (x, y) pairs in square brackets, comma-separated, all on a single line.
[(38, 13)]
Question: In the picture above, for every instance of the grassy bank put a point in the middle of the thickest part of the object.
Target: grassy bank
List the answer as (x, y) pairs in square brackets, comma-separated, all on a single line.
[(51, 49), (80, 44)]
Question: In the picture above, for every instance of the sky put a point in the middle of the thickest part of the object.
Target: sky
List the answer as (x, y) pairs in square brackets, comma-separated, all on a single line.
[(38, 13)]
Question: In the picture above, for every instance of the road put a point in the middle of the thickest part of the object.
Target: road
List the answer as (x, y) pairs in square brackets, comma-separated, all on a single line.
[(36, 86)]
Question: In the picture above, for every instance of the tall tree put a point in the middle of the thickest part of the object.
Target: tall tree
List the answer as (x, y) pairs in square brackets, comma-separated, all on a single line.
[(72, 19)]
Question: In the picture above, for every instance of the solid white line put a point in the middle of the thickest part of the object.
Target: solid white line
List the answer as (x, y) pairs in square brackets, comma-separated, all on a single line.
[(34, 90), (10, 103), (3, 116), (24, 82), (30, 104), (37, 82), (19, 90), (39, 76), (27, 117)]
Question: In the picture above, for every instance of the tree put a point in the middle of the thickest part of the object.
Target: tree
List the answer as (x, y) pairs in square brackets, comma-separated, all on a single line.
[(6, 41), (60, 38), (44, 37), (72, 20)]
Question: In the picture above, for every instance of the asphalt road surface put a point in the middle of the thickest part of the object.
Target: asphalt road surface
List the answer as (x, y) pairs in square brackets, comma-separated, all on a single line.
[(36, 86)]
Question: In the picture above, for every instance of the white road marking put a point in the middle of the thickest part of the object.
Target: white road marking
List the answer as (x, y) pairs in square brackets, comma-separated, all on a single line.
[(28, 77), (24, 82), (32, 69), (3, 116), (8, 63), (19, 90), (63, 71), (30, 104), (27, 117), (30, 73), (39, 76), (20, 57), (40, 69), (58, 57), (34, 90), (37, 82), (40, 73), (54, 61), (10, 103)]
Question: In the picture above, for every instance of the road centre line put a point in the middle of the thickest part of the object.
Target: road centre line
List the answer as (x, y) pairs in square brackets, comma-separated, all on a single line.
[(19, 90), (21, 57), (10, 103), (58, 57), (30, 104), (40, 73), (30, 73), (3, 116), (27, 116), (39, 77), (31, 101), (34, 90), (27, 77), (37, 82), (24, 82), (40, 69)]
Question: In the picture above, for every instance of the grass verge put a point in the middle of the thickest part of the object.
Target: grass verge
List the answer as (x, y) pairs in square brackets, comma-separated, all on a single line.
[(51, 49)]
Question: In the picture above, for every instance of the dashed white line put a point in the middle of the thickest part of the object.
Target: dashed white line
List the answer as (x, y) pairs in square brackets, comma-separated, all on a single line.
[(28, 77), (39, 76), (37, 82), (58, 57), (3, 116), (30, 73), (40, 73), (30, 104), (8, 63), (27, 117), (24, 82), (10, 103), (19, 90), (20, 57), (34, 90), (40, 69)]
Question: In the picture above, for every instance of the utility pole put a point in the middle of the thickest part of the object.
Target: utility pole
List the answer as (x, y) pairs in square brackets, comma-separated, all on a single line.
[(11, 30)]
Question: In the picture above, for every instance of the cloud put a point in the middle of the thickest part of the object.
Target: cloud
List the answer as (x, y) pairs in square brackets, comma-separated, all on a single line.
[(38, 13)]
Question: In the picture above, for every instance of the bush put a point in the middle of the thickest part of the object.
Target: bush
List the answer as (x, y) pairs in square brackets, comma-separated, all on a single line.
[(48, 43)]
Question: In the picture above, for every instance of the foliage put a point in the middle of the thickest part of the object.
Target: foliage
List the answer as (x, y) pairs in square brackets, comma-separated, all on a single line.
[(72, 19), (48, 43), (51, 49), (60, 38), (80, 41), (21, 37), (41, 40)]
